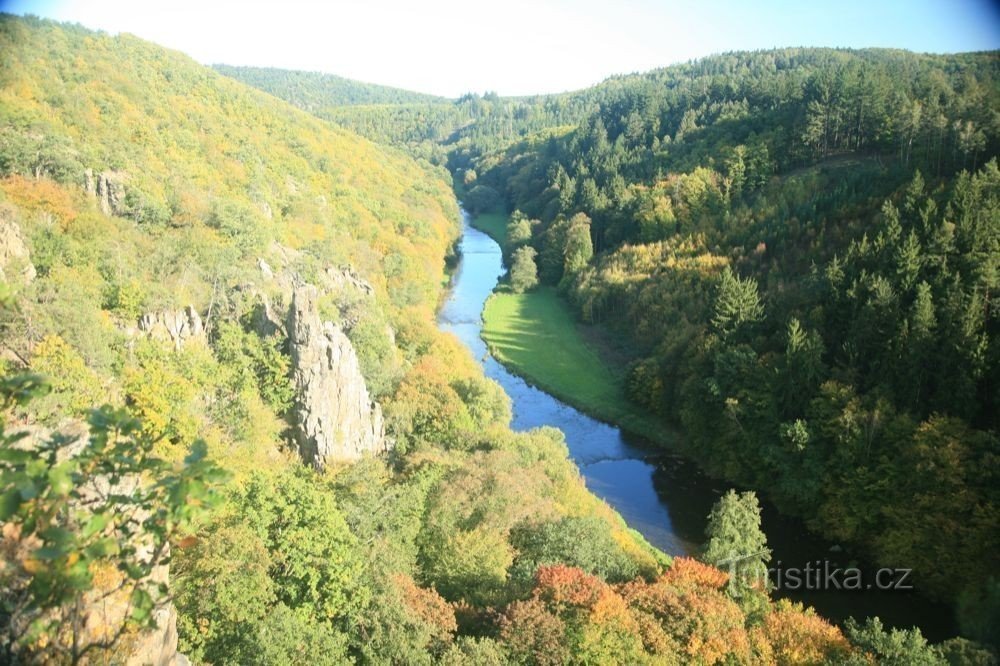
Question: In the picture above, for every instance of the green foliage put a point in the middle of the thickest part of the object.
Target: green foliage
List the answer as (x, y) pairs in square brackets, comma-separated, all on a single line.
[(280, 560), (775, 174), (737, 544), (314, 92), (523, 272), (315, 556), (79, 508), (518, 231), (585, 542), (579, 249), (75, 387), (963, 652), (240, 224), (481, 199), (798, 248), (896, 647), (736, 304), (979, 612), (254, 363)]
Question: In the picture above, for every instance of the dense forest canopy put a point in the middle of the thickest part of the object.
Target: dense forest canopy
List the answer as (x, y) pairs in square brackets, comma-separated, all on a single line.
[(786, 330), (801, 248), (315, 92)]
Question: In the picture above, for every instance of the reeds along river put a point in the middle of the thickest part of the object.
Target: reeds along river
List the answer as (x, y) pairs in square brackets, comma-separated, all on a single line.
[(664, 497)]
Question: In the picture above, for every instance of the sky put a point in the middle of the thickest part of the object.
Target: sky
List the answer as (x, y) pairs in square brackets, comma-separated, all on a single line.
[(517, 47)]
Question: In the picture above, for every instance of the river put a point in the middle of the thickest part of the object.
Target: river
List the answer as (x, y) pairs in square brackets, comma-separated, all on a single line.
[(662, 496)]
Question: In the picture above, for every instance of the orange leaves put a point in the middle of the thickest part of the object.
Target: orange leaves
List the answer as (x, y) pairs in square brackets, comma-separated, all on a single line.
[(427, 605), (689, 571), (684, 616), (692, 611), (562, 586), (534, 634), (41, 195)]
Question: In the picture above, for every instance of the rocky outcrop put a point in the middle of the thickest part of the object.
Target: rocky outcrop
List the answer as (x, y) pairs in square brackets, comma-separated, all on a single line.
[(15, 259), (158, 646), (177, 326), (335, 418), (110, 192), (346, 278), (108, 607)]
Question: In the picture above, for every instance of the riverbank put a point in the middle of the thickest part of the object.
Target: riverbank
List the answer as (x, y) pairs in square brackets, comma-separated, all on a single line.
[(664, 497), (536, 336), (493, 224)]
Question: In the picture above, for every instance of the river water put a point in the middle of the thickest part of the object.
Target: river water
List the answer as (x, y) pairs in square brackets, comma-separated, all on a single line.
[(662, 496)]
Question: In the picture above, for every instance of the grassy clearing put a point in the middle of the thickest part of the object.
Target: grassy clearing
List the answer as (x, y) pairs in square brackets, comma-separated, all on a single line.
[(536, 336), (493, 224)]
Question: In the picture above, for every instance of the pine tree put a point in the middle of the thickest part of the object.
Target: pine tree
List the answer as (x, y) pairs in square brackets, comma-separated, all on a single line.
[(736, 543), (908, 261), (737, 303)]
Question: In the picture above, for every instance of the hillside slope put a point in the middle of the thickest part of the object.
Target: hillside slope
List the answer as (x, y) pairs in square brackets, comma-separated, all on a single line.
[(316, 91), (201, 256), (799, 247)]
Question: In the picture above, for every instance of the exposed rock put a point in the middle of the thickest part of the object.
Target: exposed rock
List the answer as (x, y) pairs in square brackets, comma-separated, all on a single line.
[(265, 269), (177, 326), (266, 320), (101, 609), (345, 277), (158, 646), (89, 184), (15, 259), (335, 417), (111, 192)]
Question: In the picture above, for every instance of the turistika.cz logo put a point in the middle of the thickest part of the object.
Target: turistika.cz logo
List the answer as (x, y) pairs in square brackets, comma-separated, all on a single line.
[(818, 575)]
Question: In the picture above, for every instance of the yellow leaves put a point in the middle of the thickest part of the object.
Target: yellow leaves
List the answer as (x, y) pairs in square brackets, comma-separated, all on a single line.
[(798, 636), (160, 391), (33, 566), (75, 386)]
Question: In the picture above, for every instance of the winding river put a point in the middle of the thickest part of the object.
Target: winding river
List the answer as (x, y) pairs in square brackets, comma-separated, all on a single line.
[(662, 496)]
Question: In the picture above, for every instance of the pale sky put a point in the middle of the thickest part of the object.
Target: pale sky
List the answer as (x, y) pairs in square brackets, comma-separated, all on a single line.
[(518, 47)]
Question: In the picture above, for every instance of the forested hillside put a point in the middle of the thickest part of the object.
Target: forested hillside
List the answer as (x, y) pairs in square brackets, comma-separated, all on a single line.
[(170, 242), (316, 92), (801, 249), (436, 129)]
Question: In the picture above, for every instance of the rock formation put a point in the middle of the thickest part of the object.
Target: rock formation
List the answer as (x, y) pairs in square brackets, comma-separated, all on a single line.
[(111, 192), (15, 260), (345, 278), (335, 418), (102, 608), (177, 326)]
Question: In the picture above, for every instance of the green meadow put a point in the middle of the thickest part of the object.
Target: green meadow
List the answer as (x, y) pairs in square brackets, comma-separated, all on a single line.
[(535, 335)]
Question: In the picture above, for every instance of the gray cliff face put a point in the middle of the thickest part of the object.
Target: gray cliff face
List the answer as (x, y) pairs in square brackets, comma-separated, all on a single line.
[(335, 417), (177, 326), (110, 192), (15, 259)]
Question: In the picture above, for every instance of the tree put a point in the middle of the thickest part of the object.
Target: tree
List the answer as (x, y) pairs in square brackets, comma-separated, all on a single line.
[(523, 272), (897, 647), (518, 231), (736, 303), (579, 248), (92, 522), (584, 542), (736, 543)]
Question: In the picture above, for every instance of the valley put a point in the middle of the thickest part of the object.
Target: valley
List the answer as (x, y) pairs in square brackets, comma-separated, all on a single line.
[(300, 369)]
